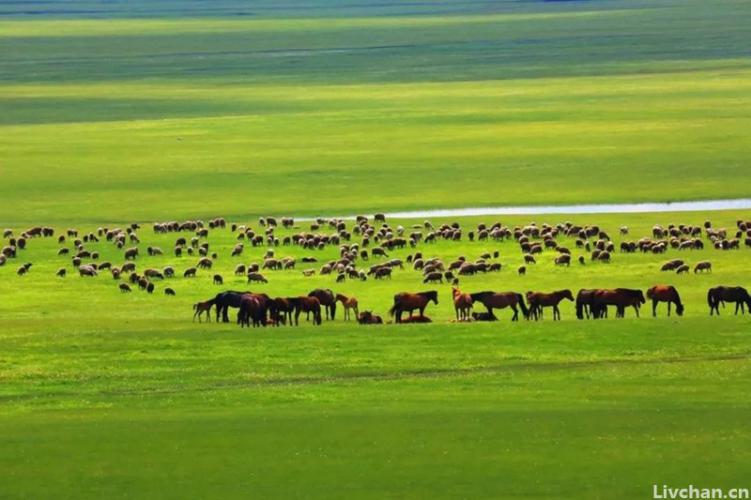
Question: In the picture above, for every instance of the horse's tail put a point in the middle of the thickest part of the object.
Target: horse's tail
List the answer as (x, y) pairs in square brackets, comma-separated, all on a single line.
[(522, 305), (710, 299)]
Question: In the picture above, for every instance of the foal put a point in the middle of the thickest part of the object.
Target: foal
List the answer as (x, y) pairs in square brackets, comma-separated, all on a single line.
[(348, 303), (203, 307)]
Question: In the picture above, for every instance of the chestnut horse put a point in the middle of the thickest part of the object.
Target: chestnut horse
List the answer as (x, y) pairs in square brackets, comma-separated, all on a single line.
[(348, 303), (721, 294), (621, 298), (250, 310), (200, 308), (462, 304), (500, 300), (307, 305), (539, 300), (665, 293), (411, 301)]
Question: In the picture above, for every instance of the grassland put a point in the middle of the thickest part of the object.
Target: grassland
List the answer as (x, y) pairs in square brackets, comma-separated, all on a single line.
[(560, 102), (112, 112), (105, 393)]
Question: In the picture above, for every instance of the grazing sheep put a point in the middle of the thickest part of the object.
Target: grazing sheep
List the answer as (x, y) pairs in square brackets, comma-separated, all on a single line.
[(309, 272), (23, 269), (150, 288), (128, 267), (61, 272), (529, 259), (703, 266), (169, 291), (582, 260), (124, 288), (257, 277), (682, 269), (522, 270), (87, 271), (169, 272), (131, 253), (190, 272), (433, 277), (218, 280)]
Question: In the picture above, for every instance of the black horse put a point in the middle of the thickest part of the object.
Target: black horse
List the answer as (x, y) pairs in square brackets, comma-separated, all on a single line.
[(721, 294), (225, 300)]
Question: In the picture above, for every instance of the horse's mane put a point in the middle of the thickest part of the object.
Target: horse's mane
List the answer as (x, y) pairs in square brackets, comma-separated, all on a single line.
[(429, 294)]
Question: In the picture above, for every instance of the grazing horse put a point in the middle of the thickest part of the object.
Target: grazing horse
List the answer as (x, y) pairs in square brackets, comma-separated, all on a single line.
[(665, 293), (250, 309), (348, 303), (539, 300), (410, 302), (281, 310), (500, 300), (327, 299), (462, 304), (620, 298), (721, 294), (224, 301), (307, 305), (203, 307)]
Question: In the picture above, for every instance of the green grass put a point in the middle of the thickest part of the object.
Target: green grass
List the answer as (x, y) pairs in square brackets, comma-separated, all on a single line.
[(106, 394), (547, 102), (157, 110)]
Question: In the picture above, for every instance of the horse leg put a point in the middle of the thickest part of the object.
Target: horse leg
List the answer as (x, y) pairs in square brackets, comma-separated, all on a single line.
[(556, 313), (515, 317), (670, 304), (654, 308)]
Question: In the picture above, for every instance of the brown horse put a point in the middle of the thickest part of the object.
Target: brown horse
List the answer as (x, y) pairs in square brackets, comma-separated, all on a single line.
[(348, 303), (411, 302), (368, 318), (665, 293), (620, 298), (200, 308), (501, 300), (721, 294), (584, 302), (539, 300), (281, 311), (306, 305), (327, 299), (462, 304), (250, 310)]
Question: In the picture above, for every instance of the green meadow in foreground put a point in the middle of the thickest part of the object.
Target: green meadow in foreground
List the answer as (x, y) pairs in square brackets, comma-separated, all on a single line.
[(152, 110), (107, 394)]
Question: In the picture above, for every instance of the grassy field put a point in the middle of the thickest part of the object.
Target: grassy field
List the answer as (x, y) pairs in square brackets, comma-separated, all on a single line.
[(113, 112), (106, 394), (107, 119)]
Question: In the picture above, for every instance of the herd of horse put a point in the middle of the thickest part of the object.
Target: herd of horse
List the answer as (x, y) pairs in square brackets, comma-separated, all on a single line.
[(259, 309)]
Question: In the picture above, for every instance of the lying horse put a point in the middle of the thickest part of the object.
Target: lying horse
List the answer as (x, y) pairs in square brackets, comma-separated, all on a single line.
[(368, 318), (409, 302), (721, 294), (665, 293), (501, 300), (539, 300)]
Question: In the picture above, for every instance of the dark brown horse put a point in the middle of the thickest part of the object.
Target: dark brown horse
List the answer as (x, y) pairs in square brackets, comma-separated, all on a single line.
[(665, 293), (539, 300), (306, 305), (281, 310), (501, 300), (584, 302), (721, 294), (409, 302), (250, 311), (327, 299), (621, 298), (368, 318)]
